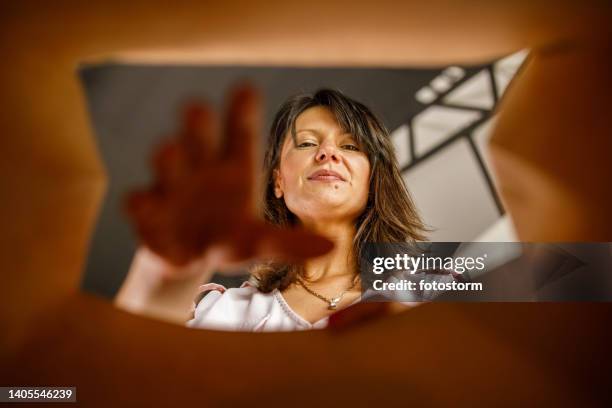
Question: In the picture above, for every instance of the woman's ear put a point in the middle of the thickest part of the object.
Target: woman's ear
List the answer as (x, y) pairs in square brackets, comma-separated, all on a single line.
[(278, 192)]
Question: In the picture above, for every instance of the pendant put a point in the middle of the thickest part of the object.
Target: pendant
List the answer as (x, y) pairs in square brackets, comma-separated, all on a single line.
[(334, 303)]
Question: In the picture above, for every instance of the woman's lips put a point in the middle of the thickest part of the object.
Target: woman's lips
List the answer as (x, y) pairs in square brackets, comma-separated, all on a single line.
[(325, 175)]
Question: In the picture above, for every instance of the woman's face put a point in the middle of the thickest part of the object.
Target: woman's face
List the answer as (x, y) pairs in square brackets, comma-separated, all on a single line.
[(325, 175)]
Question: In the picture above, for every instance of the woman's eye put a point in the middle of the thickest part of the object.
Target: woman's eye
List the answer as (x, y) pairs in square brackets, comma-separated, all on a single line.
[(306, 144), (351, 147)]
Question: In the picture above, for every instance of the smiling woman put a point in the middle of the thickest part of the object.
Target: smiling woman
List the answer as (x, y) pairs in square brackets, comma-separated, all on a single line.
[(336, 172)]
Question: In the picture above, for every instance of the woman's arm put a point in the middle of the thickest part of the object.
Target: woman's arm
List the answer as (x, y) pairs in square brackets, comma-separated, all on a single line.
[(152, 288)]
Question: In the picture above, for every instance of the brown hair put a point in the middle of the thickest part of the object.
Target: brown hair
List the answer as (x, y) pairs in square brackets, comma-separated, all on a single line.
[(390, 214)]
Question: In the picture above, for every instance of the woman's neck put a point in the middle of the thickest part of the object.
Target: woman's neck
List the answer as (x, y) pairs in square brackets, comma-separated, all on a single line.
[(340, 260)]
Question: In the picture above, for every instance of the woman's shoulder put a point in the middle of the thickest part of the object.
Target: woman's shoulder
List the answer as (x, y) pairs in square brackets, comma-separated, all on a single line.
[(230, 309)]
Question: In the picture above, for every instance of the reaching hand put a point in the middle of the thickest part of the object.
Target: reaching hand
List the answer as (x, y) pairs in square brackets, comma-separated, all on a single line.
[(206, 189)]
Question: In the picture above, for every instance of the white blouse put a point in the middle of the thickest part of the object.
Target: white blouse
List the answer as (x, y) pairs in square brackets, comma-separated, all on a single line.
[(247, 309)]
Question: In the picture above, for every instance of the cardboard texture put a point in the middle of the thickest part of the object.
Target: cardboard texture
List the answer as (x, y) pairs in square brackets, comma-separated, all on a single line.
[(551, 150)]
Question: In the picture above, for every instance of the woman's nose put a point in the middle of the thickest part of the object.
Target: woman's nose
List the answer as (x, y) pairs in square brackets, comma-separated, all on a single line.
[(327, 153)]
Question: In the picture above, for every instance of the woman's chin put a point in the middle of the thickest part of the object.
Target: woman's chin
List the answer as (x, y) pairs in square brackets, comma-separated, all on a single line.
[(331, 200), (327, 208), (324, 204)]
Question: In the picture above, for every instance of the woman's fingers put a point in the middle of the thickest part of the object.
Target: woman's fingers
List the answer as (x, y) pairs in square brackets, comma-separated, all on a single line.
[(143, 207), (200, 136), (168, 165), (196, 146), (241, 139), (242, 124), (290, 245), (138, 204)]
